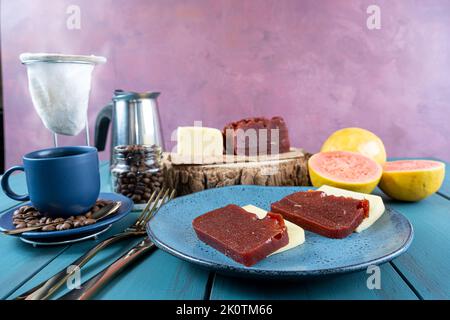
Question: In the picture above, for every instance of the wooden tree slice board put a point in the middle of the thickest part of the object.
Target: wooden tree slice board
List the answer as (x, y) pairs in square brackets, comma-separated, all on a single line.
[(289, 169)]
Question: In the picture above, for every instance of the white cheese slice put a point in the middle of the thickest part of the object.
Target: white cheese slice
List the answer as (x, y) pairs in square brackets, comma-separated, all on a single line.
[(376, 205), (295, 233), (199, 142)]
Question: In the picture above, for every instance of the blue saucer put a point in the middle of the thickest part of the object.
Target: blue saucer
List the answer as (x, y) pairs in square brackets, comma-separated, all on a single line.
[(125, 208), (171, 230)]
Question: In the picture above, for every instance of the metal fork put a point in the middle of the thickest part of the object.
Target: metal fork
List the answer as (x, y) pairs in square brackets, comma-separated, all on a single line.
[(94, 284), (46, 288)]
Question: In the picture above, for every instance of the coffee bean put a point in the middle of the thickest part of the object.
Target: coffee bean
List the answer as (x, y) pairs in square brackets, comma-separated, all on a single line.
[(27, 209), (69, 222), (32, 223), (21, 225), (147, 195), (78, 224), (28, 219), (89, 222), (17, 221), (49, 228)]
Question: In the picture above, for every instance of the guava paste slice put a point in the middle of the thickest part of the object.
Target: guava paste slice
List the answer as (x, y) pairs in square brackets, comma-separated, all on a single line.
[(329, 216), (241, 235)]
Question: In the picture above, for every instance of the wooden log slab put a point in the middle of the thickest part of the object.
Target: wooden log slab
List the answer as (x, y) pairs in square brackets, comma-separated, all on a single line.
[(288, 169)]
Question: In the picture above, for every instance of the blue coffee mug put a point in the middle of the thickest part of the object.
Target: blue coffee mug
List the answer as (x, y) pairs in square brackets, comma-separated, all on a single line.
[(61, 182)]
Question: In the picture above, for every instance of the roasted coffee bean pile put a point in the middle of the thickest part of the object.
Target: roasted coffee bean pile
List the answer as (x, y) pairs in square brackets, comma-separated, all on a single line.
[(28, 216), (137, 174)]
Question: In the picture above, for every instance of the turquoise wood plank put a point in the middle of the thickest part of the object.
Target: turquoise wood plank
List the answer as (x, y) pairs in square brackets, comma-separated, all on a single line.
[(343, 286), (158, 276), (19, 261), (426, 265)]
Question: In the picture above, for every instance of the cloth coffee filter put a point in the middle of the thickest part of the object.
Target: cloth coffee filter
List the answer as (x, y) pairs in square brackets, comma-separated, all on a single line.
[(59, 85)]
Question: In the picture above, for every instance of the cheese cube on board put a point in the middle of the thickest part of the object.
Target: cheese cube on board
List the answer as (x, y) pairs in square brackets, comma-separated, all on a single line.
[(199, 141), (376, 205), (295, 233)]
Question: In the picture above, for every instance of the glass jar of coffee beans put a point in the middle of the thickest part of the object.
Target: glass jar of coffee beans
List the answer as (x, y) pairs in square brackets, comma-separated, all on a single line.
[(136, 171)]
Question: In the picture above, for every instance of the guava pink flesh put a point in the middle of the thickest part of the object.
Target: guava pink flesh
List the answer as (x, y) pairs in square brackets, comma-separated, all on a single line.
[(345, 166), (411, 165)]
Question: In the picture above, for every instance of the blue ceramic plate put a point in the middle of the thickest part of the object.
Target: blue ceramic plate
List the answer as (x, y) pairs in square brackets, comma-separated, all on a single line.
[(125, 208), (171, 230)]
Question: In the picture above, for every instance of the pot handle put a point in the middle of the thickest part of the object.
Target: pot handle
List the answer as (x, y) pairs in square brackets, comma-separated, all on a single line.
[(101, 126)]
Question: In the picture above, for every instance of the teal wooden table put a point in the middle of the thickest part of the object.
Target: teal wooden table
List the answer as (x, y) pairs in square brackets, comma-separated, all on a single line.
[(421, 273)]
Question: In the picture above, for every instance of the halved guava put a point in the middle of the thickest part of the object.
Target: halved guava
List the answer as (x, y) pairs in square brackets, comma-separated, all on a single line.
[(344, 169), (412, 180)]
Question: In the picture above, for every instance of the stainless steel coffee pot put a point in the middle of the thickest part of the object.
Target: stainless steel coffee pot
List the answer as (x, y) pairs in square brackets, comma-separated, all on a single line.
[(134, 119)]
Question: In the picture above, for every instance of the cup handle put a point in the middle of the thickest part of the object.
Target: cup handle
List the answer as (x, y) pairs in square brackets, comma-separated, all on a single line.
[(7, 189)]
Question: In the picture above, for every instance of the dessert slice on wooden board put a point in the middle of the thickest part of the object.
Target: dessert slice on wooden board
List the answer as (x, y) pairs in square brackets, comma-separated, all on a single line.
[(269, 136), (241, 235), (329, 216)]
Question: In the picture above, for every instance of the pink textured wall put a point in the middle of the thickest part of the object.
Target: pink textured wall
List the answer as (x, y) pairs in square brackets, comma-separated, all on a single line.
[(313, 62)]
